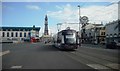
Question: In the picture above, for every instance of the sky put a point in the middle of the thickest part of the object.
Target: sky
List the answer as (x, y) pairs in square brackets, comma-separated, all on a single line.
[(27, 14)]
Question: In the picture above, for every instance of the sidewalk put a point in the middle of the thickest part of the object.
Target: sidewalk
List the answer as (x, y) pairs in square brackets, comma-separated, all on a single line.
[(93, 45)]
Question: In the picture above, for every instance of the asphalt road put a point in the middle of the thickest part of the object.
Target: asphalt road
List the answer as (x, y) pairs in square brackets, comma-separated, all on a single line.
[(45, 56)]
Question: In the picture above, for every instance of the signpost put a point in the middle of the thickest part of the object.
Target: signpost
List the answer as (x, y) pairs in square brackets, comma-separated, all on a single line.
[(84, 20)]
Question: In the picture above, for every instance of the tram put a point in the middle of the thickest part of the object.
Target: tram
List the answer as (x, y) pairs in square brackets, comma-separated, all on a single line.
[(67, 39)]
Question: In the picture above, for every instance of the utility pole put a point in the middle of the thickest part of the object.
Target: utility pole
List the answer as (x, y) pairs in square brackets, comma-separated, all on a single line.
[(79, 18), (79, 26)]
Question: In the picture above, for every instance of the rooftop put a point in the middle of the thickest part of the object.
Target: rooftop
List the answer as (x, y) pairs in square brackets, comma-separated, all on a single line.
[(20, 28)]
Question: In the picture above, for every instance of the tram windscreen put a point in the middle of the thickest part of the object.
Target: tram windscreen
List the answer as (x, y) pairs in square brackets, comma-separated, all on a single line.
[(70, 39)]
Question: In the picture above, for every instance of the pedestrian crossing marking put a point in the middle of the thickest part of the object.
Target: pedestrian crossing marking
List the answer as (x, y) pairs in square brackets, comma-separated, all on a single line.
[(5, 52), (16, 67)]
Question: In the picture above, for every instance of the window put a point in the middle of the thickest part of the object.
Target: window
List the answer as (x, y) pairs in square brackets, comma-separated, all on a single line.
[(16, 34), (29, 34), (12, 34), (7, 34), (24, 34), (101, 33), (3, 34), (20, 34), (8, 29), (104, 33), (89, 34)]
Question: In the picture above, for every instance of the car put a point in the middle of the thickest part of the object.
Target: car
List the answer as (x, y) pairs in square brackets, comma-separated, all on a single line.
[(118, 45), (26, 39), (111, 45)]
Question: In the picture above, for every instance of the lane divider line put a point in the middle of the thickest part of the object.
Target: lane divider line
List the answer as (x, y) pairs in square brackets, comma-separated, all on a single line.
[(5, 52), (97, 66), (16, 67)]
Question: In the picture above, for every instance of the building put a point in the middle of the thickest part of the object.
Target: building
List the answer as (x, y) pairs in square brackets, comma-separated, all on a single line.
[(94, 33), (46, 26), (46, 36), (18, 33), (113, 31)]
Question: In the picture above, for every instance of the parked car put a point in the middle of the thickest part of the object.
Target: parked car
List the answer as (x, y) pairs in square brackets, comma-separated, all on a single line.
[(118, 45), (111, 45), (27, 39)]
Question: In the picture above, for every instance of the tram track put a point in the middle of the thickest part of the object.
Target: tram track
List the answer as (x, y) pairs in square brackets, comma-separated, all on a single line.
[(101, 56), (89, 59)]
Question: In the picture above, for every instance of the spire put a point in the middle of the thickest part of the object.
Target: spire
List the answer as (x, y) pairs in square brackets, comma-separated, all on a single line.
[(33, 27), (46, 18), (46, 26)]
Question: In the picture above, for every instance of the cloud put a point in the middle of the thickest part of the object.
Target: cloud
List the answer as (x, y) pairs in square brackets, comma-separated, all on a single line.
[(101, 13), (60, 0), (95, 13), (65, 14), (33, 7)]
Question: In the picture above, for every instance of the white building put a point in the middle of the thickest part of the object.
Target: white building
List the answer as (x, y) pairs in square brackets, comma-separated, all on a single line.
[(113, 31), (94, 33), (18, 33)]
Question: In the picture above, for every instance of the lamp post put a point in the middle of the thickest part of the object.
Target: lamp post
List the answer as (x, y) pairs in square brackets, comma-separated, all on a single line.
[(79, 25)]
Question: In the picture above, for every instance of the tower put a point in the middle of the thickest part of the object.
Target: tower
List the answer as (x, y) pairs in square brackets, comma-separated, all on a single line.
[(46, 26)]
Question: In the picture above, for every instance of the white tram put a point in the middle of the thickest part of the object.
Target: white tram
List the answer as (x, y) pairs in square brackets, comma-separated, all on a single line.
[(66, 39)]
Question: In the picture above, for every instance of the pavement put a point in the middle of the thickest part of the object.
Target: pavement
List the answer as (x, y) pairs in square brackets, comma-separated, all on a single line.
[(94, 45), (45, 56)]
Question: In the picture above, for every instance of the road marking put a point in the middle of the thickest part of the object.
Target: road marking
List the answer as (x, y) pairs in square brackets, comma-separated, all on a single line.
[(113, 65), (5, 52), (16, 67), (33, 43), (97, 66)]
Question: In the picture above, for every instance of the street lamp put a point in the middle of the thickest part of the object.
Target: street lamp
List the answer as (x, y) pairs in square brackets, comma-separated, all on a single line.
[(79, 24)]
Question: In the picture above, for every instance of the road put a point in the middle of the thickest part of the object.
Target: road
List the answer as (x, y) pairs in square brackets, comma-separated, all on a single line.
[(45, 56)]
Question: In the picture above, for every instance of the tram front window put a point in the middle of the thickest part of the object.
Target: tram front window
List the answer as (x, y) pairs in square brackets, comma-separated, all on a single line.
[(70, 39)]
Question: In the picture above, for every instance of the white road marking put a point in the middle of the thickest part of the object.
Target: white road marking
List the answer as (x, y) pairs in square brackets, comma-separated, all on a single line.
[(16, 67), (114, 65), (33, 43), (72, 52), (5, 52), (97, 66)]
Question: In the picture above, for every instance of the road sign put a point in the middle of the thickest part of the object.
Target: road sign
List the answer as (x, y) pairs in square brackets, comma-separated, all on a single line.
[(84, 20)]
